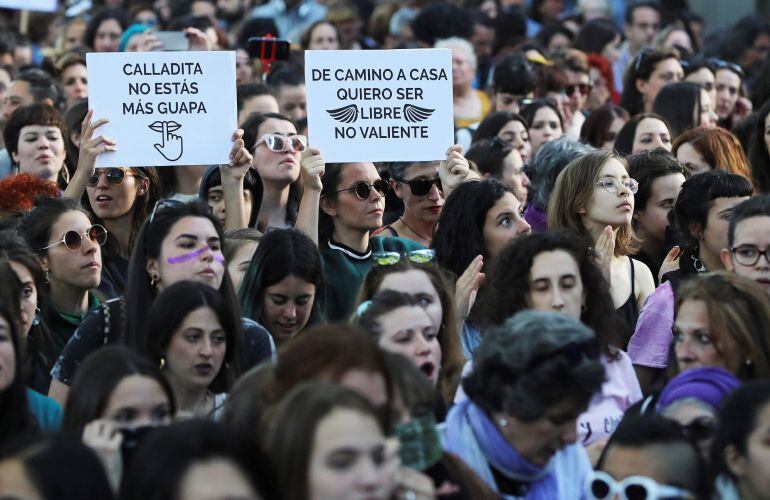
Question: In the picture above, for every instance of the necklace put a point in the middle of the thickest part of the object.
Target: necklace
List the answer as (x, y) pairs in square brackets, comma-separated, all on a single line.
[(415, 232)]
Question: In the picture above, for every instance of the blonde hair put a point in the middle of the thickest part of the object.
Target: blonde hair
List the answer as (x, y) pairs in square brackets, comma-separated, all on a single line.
[(739, 308), (572, 192)]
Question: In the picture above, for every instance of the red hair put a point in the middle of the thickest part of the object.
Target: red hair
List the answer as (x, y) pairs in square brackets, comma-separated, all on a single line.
[(17, 193), (605, 69)]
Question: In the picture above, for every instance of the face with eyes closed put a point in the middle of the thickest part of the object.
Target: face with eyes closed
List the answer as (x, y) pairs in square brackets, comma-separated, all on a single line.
[(651, 133), (237, 267), (697, 345), (349, 459), (190, 251), (286, 307), (417, 284), (138, 401), (409, 331), (504, 221), (555, 284)]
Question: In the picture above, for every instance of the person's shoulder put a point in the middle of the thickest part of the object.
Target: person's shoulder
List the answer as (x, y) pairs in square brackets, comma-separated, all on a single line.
[(46, 411), (392, 244)]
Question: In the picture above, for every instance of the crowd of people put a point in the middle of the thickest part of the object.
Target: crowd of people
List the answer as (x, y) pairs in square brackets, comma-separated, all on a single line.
[(573, 303)]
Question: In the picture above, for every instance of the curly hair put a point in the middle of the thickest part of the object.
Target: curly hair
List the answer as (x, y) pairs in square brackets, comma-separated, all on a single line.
[(507, 287), (18, 192)]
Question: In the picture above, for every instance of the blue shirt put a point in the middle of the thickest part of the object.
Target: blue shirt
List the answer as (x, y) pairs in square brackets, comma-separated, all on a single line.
[(46, 411)]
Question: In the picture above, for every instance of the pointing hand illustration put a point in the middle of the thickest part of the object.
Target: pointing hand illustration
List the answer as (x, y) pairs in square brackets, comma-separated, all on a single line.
[(170, 146)]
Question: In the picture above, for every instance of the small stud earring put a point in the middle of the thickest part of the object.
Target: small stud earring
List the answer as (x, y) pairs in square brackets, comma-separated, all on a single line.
[(162, 363), (502, 422), (154, 280)]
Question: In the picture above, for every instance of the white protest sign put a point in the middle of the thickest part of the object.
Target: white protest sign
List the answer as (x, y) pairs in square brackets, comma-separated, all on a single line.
[(36, 5), (165, 108), (380, 105)]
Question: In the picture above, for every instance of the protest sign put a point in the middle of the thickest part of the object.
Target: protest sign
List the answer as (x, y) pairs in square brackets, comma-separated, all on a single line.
[(36, 5), (165, 108), (380, 105)]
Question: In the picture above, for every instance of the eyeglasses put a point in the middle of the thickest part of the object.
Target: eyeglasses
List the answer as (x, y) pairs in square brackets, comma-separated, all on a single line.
[(415, 257), (278, 143), (700, 429), (721, 64), (611, 185), (421, 187), (362, 189), (575, 352), (583, 88), (747, 255), (114, 176), (73, 240), (165, 203), (602, 486)]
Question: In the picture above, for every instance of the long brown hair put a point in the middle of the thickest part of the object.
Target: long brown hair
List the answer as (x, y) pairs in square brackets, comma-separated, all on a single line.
[(574, 188), (739, 308), (452, 359)]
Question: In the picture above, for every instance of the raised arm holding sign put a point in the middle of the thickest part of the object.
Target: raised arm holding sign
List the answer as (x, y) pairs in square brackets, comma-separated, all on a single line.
[(164, 108)]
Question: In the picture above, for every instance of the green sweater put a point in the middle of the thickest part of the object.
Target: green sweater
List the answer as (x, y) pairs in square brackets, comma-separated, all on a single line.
[(345, 269)]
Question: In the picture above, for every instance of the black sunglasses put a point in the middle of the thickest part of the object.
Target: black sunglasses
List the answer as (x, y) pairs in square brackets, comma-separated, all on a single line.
[(718, 64), (363, 189), (114, 176), (583, 88), (421, 187)]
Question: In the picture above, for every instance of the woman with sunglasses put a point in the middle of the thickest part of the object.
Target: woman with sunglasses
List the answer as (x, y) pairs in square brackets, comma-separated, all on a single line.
[(649, 72), (68, 246), (731, 103), (341, 205), (594, 198), (275, 142), (120, 199), (283, 286), (418, 185), (179, 242)]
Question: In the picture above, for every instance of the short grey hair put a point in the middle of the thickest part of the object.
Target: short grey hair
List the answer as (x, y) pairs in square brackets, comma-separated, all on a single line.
[(504, 380), (459, 43), (549, 161)]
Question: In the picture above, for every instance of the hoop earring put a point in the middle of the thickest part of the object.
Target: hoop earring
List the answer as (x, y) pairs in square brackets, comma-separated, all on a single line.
[(36, 319)]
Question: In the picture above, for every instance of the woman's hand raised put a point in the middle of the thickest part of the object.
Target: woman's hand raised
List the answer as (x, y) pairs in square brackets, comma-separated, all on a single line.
[(313, 168)]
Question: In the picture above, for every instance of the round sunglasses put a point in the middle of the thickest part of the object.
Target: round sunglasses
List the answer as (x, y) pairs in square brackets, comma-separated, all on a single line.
[(73, 240), (114, 176), (278, 143), (421, 187), (363, 189)]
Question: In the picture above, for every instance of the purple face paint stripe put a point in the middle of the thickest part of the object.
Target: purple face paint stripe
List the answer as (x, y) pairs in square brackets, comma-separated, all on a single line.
[(193, 255)]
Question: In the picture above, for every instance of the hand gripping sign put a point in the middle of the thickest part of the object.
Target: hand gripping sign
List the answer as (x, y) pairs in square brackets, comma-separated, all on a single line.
[(164, 108), (380, 105)]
